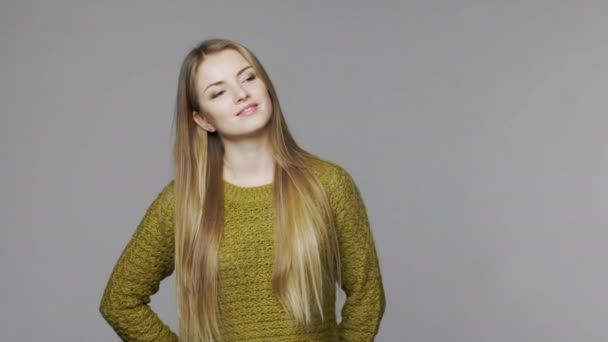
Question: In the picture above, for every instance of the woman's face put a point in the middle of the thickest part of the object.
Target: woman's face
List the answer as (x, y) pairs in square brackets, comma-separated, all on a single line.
[(226, 85)]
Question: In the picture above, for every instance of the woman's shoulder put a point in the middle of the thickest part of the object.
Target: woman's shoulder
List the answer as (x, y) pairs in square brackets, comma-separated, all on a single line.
[(166, 200), (332, 175), (342, 191), (166, 193), (167, 188)]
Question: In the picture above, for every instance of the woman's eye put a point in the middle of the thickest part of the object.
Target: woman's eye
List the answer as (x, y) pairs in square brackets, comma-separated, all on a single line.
[(250, 78), (217, 94)]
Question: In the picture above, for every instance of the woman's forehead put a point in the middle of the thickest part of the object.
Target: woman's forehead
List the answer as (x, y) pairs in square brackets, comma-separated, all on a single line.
[(221, 65)]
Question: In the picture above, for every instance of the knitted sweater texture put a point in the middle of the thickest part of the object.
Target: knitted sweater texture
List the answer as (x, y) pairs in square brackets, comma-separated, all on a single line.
[(250, 312)]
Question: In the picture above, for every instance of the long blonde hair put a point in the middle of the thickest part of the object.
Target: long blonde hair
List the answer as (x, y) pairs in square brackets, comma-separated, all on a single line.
[(306, 258)]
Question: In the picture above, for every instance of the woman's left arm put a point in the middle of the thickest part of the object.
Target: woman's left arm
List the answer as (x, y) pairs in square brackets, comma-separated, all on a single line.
[(361, 278)]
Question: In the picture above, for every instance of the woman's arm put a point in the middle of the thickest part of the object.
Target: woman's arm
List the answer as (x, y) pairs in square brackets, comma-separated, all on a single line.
[(361, 278), (146, 260)]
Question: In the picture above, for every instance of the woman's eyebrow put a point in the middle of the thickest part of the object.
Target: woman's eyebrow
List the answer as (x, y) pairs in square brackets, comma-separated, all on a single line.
[(219, 82)]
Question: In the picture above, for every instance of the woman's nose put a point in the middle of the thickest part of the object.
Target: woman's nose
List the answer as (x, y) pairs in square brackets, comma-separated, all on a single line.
[(241, 94)]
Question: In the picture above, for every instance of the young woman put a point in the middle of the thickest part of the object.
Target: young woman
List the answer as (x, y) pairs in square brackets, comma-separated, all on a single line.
[(258, 231)]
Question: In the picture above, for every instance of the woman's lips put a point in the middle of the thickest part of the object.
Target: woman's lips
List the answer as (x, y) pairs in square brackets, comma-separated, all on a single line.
[(248, 110)]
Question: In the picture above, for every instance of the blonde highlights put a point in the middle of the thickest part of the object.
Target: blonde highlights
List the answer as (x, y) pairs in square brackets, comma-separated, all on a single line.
[(306, 258)]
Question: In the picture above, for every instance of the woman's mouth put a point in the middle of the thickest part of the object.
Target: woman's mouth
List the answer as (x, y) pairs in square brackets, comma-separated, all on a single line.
[(248, 110)]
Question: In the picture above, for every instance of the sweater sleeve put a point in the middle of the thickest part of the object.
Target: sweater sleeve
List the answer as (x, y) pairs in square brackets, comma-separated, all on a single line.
[(146, 260), (361, 278)]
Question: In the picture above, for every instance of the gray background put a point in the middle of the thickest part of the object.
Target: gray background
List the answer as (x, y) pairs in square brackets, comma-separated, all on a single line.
[(476, 131)]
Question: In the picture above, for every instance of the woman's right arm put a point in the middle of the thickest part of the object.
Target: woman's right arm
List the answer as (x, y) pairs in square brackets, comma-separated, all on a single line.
[(147, 259)]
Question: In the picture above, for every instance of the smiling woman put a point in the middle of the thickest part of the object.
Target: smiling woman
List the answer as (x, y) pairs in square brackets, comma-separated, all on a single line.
[(237, 91), (258, 231)]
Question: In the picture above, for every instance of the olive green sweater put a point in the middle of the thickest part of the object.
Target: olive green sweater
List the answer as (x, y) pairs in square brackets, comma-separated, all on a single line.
[(250, 311)]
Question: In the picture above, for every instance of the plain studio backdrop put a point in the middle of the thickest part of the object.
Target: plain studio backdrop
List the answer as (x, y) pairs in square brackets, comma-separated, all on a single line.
[(476, 131)]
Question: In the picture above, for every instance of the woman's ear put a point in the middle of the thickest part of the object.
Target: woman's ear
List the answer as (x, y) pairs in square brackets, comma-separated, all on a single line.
[(203, 122)]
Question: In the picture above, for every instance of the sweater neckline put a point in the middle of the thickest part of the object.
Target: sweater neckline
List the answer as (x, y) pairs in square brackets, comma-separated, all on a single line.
[(236, 193)]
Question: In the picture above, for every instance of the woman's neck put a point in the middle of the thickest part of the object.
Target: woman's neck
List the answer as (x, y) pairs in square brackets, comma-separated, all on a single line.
[(248, 163)]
